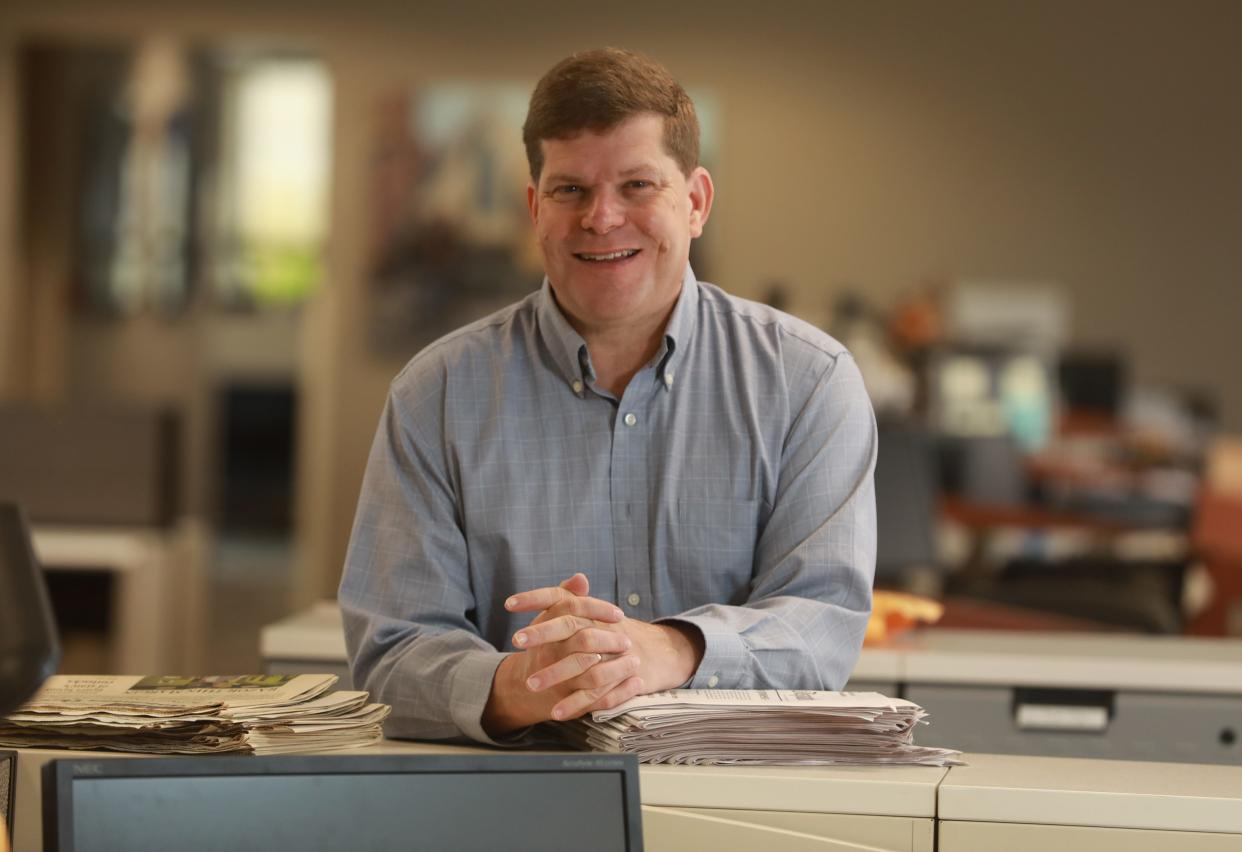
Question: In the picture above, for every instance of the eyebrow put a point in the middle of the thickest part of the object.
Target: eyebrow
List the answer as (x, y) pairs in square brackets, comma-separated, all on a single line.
[(564, 177), (644, 167)]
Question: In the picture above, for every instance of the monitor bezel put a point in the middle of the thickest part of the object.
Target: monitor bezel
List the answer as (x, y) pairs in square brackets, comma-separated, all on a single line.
[(59, 774)]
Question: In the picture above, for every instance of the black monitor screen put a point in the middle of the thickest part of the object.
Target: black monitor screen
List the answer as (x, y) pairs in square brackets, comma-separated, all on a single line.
[(316, 804), (29, 649)]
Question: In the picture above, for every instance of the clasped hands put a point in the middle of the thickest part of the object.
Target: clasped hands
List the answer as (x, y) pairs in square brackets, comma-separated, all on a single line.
[(582, 654)]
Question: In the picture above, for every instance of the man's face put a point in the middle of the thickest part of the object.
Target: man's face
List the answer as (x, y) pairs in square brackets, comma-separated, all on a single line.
[(614, 216)]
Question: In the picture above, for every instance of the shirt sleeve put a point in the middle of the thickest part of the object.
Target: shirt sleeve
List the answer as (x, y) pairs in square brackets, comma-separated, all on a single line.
[(803, 624), (405, 593)]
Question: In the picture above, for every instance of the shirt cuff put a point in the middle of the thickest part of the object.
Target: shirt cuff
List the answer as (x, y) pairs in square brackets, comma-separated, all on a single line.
[(724, 654), (468, 694)]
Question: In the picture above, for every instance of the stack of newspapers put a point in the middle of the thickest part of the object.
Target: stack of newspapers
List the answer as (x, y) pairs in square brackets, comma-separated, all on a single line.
[(760, 727), (241, 714)]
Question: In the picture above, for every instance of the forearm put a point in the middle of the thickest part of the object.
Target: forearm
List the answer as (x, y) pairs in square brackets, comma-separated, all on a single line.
[(778, 643), (436, 683)]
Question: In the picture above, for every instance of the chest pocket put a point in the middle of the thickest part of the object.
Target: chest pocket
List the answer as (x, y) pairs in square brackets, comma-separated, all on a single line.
[(711, 549)]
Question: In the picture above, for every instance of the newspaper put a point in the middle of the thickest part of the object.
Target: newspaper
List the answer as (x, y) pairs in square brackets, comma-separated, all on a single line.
[(247, 714), (760, 727)]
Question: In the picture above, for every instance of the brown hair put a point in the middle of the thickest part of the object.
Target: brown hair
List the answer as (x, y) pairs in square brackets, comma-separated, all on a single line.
[(599, 89)]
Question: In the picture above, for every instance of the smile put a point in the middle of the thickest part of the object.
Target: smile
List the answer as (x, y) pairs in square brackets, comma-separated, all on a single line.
[(606, 258)]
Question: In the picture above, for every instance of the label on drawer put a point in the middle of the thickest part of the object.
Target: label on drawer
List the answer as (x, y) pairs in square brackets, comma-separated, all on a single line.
[(1061, 717)]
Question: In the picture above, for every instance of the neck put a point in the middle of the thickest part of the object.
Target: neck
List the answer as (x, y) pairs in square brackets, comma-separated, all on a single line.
[(618, 356)]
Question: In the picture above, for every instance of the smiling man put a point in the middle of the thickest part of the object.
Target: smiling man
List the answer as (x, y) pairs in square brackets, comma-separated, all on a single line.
[(629, 481)]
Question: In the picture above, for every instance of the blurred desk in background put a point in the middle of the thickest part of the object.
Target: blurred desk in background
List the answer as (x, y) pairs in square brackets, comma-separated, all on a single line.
[(157, 605), (1124, 574), (1104, 695), (307, 642)]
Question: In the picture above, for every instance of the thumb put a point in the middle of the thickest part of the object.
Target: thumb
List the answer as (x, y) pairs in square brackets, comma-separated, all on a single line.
[(578, 585)]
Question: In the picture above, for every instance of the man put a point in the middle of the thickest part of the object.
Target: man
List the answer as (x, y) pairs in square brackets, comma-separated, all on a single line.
[(627, 482)]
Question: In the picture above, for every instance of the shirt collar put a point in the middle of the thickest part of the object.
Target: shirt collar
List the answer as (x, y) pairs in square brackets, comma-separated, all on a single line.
[(680, 326), (565, 344), (569, 349)]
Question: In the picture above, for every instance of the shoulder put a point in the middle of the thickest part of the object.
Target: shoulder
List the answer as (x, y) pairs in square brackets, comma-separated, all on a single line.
[(471, 352), (768, 331)]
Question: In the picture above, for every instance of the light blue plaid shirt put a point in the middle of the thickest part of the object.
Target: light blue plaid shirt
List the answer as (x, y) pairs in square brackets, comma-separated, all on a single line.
[(729, 487)]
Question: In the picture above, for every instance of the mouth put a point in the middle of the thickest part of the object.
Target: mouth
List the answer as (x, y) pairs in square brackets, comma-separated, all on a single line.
[(618, 256)]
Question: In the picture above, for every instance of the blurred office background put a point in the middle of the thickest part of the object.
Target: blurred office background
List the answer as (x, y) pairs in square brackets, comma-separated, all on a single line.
[(225, 226)]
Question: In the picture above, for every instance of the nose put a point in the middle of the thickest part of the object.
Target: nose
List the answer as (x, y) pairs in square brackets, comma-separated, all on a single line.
[(604, 212)]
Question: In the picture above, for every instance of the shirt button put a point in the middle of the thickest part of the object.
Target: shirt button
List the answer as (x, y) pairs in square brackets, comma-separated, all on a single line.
[(630, 419), (633, 599), (668, 379), (712, 681), (577, 386)]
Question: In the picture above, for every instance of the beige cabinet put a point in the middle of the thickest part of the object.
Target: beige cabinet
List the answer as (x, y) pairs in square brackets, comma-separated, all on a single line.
[(725, 830), (1013, 837), (789, 808), (1024, 804)]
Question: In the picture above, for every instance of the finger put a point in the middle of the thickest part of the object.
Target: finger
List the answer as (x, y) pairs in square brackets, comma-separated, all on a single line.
[(562, 670), (578, 584), (619, 695), (588, 607), (553, 630), (609, 672), (599, 640), (588, 671), (584, 700), (575, 586), (591, 608), (536, 599), (585, 634), (564, 602)]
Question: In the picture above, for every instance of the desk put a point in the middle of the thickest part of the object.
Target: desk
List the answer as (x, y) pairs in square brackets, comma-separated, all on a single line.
[(726, 809), (1016, 803), (157, 600), (1033, 804), (1172, 698), (1129, 697)]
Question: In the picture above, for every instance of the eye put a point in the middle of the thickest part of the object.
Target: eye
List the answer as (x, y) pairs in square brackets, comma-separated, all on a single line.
[(639, 183), (566, 190)]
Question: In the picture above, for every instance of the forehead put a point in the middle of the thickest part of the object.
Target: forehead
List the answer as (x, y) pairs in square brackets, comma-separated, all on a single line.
[(634, 143)]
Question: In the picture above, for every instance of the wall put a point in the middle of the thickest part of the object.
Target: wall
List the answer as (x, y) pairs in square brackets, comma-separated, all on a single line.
[(864, 145)]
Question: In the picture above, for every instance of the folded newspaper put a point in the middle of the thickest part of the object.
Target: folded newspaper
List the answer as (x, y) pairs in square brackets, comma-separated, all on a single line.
[(760, 728), (239, 714)]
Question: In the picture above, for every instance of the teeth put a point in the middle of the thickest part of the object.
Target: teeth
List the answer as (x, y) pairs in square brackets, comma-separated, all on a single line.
[(616, 255)]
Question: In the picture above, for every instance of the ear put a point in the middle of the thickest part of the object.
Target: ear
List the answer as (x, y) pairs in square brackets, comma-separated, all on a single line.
[(532, 202), (701, 193)]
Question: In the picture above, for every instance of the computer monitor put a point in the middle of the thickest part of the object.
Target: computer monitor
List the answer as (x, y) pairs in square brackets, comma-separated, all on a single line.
[(905, 500), (29, 649), (544, 802)]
